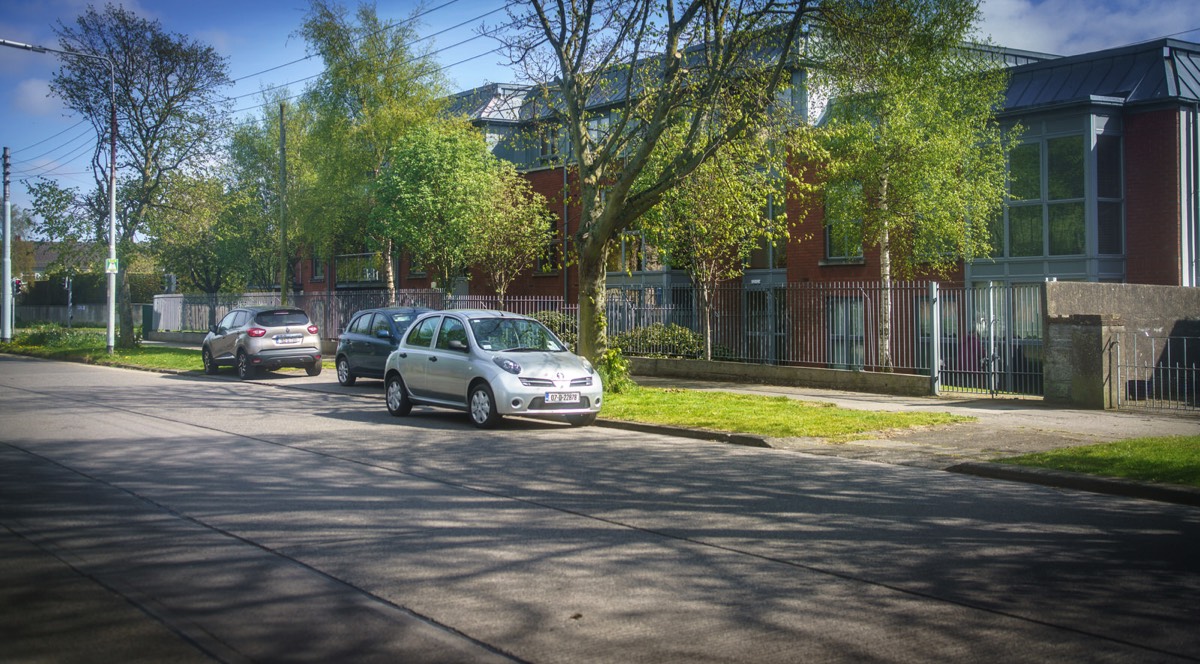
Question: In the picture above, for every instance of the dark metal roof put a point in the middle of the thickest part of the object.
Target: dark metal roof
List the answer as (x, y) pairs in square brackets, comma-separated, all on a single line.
[(1163, 70)]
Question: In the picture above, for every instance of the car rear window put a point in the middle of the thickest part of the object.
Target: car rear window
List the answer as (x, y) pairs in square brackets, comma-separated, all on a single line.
[(281, 318)]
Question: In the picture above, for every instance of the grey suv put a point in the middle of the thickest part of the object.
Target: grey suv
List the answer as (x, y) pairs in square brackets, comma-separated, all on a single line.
[(253, 338)]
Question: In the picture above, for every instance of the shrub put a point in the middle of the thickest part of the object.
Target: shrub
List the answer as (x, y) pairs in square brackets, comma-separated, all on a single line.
[(614, 371), (562, 325), (660, 340)]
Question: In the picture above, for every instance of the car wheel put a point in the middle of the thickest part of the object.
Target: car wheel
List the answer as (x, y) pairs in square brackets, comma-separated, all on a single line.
[(398, 403), (210, 367), (482, 405), (314, 369), (246, 371), (582, 419), (345, 376)]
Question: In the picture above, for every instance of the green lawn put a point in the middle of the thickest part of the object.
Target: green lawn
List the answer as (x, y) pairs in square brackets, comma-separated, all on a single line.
[(1169, 460), (776, 417)]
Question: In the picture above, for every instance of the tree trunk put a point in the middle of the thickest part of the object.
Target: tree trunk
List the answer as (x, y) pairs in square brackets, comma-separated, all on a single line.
[(389, 270), (593, 284), (125, 339), (706, 294), (885, 278)]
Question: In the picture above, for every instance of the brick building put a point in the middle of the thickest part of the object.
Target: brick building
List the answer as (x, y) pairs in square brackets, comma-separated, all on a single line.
[(1111, 139)]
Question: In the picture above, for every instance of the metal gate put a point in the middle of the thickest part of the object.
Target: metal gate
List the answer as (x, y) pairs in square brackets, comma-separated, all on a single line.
[(1156, 372), (991, 338)]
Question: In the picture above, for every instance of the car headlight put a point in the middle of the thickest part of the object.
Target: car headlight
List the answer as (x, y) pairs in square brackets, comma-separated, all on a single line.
[(507, 364), (588, 365)]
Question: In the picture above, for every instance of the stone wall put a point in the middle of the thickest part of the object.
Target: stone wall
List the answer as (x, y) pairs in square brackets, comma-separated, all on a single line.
[(738, 372), (1085, 324)]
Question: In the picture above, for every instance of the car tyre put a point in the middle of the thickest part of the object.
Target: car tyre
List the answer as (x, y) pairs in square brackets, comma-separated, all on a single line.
[(210, 367), (582, 419), (246, 370), (345, 376), (481, 405), (398, 403), (314, 369)]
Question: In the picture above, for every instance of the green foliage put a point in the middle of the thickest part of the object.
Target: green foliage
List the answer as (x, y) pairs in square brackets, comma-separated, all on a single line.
[(659, 340), (439, 188), (514, 231), (53, 335), (563, 326), (614, 371), (912, 129), (376, 87)]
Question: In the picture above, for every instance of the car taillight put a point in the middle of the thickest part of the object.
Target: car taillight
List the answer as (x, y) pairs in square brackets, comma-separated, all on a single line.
[(256, 332), (312, 329)]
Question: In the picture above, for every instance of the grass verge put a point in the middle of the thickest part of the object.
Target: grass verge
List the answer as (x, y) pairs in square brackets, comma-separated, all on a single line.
[(1167, 460), (773, 417)]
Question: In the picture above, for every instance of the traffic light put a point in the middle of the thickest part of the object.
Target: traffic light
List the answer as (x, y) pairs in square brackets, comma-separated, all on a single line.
[(17, 286)]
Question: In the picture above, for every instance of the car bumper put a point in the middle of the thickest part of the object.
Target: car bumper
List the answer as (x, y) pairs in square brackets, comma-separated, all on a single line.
[(286, 357), (522, 400)]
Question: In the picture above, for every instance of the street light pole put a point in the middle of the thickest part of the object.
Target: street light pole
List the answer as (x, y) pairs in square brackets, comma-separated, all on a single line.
[(110, 266)]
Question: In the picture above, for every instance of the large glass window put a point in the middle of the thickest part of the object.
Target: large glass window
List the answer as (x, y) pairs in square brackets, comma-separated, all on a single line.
[(1047, 180), (843, 226), (1110, 196)]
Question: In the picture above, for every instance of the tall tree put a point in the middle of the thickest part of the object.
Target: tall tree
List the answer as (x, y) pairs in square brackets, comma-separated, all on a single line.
[(718, 215), (513, 232), (438, 189), (168, 107), (254, 160), (617, 74), (912, 140), (377, 85), (200, 236)]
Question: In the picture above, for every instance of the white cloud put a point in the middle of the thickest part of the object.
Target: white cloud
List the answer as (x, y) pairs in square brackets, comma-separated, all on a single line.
[(32, 97), (1077, 26)]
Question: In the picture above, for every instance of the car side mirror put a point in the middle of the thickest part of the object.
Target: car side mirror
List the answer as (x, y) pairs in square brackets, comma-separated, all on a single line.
[(458, 346), (383, 334)]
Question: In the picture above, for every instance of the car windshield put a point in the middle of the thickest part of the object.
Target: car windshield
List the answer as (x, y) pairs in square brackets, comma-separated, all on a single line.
[(281, 318), (513, 334)]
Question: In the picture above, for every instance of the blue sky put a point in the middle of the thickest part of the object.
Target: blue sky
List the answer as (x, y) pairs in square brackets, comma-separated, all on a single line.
[(257, 35)]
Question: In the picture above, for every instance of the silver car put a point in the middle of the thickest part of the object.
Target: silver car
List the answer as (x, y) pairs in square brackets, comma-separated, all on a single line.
[(490, 364), (253, 338)]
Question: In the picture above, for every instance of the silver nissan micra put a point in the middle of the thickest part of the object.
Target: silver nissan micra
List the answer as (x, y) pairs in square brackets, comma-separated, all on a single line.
[(490, 364)]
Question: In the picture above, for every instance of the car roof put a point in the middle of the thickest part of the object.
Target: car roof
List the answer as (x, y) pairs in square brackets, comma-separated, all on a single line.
[(258, 309), (484, 313), (395, 310)]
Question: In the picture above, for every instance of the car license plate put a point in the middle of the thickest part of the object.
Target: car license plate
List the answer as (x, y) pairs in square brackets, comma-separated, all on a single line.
[(562, 397), (294, 339)]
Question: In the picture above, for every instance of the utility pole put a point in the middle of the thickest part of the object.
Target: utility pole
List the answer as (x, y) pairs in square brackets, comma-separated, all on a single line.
[(283, 255), (110, 266), (8, 288)]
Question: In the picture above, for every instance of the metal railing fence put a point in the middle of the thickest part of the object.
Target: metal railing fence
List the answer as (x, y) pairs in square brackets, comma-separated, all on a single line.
[(1157, 372), (989, 336)]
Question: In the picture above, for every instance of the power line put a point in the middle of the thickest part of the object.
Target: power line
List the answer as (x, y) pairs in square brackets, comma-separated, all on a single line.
[(385, 28), (87, 132), (28, 147)]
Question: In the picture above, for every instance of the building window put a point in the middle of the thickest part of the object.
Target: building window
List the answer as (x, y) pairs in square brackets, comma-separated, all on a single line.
[(548, 142), (629, 253), (318, 268), (1110, 196), (843, 224), (847, 338), (1047, 212), (549, 260), (770, 254)]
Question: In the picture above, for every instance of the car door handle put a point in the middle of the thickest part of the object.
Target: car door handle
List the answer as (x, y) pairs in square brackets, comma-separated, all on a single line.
[(433, 359), (403, 356)]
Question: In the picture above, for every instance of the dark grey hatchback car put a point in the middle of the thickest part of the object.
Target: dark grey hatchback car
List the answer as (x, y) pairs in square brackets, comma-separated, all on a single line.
[(369, 337)]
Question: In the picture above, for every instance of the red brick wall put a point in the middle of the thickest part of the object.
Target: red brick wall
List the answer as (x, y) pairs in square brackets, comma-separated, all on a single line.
[(1152, 214)]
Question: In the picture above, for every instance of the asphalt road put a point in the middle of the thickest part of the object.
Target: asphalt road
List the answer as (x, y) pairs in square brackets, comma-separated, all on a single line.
[(154, 517)]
